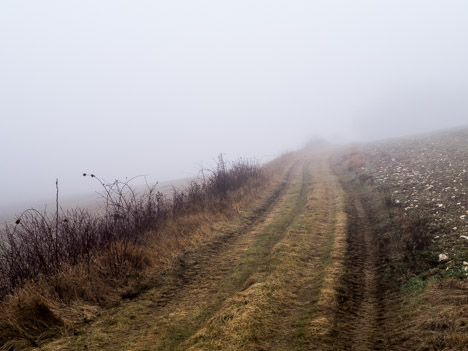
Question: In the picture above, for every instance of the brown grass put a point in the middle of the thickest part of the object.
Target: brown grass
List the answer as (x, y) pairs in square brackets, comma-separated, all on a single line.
[(122, 271), (436, 319), (56, 304), (289, 301), (352, 158)]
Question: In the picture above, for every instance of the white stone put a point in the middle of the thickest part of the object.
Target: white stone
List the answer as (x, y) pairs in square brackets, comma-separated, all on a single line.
[(443, 257)]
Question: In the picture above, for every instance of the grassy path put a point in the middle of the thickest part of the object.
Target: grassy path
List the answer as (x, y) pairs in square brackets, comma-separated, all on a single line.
[(269, 284)]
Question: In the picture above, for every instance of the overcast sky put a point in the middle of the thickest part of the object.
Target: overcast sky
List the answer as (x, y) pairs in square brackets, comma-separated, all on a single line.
[(122, 88)]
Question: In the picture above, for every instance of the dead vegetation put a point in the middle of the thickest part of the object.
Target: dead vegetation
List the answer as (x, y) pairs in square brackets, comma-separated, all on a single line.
[(352, 158), (435, 319), (59, 270)]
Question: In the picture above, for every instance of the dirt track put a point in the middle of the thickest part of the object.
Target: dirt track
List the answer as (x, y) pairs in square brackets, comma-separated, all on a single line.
[(359, 318), (269, 282)]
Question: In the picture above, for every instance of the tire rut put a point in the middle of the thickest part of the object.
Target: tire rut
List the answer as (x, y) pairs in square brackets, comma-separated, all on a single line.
[(223, 272), (309, 316), (190, 268), (255, 270), (365, 336), (358, 322)]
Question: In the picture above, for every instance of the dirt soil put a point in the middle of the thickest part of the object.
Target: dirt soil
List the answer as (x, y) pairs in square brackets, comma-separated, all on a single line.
[(360, 320)]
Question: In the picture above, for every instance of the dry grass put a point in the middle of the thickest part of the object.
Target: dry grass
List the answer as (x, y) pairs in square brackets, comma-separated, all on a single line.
[(352, 158), (196, 285), (289, 300), (436, 319), (122, 271), (241, 322), (55, 304), (183, 286)]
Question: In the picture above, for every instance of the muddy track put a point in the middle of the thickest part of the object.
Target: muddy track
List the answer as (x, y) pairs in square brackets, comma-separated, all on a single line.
[(360, 314), (367, 313)]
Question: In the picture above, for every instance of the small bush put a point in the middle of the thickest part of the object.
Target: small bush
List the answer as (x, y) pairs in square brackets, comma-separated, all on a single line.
[(417, 234), (40, 243)]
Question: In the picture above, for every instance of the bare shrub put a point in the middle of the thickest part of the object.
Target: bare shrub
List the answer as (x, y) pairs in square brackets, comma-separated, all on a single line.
[(40, 243), (57, 268), (122, 260), (416, 232)]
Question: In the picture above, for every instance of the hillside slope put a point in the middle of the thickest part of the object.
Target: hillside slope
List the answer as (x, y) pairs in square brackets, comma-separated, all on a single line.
[(269, 283), (337, 255)]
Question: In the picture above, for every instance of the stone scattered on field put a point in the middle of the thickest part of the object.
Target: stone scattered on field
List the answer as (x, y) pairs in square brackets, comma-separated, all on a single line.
[(443, 257), (465, 263), (430, 172)]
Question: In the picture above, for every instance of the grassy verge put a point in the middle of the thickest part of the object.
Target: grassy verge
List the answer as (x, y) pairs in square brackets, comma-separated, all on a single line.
[(62, 271)]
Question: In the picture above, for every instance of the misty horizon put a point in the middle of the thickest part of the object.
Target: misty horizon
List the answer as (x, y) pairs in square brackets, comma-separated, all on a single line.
[(161, 88)]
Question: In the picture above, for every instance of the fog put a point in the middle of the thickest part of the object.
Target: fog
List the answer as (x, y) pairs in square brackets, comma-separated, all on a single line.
[(159, 88)]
